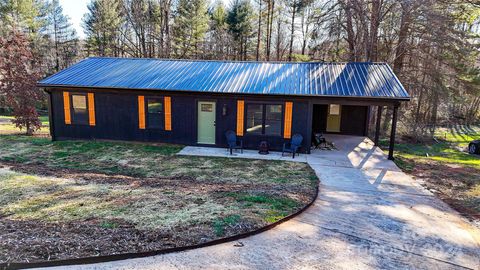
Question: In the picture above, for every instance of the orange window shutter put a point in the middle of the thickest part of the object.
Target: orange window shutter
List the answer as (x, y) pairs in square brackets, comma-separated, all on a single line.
[(240, 113), (91, 109), (66, 108), (168, 113), (141, 112), (287, 132)]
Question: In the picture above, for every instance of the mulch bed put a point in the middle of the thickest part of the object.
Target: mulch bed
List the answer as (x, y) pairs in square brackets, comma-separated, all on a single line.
[(37, 240), (33, 240)]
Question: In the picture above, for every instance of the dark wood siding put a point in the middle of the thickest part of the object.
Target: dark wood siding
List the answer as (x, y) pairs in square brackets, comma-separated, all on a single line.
[(117, 118), (353, 120), (319, 124)]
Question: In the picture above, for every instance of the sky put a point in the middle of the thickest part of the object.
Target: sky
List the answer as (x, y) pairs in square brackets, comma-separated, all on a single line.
[(75, 9)]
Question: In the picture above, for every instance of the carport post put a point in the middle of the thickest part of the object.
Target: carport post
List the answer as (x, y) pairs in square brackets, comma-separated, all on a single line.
[(377, 125), (392, 134)]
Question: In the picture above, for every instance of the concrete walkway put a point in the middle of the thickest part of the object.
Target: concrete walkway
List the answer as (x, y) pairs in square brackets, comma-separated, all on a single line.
[(369, 215)]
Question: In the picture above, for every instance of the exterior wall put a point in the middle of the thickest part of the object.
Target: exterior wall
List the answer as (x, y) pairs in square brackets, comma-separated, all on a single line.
[(353, 120), (117, 118)]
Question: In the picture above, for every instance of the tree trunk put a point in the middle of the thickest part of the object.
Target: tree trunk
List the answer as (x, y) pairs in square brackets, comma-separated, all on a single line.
[(259, 34), (268, 41), (292, 31), (350, 33), (402, 37), (305, 24), (29, 130), (270, 27), (279, 25), (374, 24)]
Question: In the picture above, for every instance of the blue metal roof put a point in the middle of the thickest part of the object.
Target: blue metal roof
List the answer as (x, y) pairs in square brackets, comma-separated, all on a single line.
[(278, 78)]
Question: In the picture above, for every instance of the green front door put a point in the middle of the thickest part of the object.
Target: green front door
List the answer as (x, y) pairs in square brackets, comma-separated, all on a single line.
[(206, 122)]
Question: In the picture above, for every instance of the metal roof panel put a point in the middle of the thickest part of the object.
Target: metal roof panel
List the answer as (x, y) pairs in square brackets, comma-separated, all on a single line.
[(281, 78)]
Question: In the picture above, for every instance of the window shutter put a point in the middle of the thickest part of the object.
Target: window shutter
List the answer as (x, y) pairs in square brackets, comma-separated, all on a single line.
[(287, 132), (66, 108), (240, 113), (91, 109), (168, 113), (141, 112)]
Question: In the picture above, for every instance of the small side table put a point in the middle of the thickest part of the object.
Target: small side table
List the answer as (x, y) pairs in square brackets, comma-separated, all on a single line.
[(263, 148)]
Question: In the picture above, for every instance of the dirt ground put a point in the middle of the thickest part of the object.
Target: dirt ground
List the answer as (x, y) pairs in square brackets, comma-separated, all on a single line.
[(27, 236), (457, 185)]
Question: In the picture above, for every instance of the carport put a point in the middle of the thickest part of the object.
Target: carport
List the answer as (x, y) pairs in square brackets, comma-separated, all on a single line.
[(352, 117)]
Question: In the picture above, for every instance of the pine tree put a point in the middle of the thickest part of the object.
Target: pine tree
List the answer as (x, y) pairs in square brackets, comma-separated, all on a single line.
[(240, 18), (102, 26), (190, 27), (64, 36), (23, 14), (219, 30)]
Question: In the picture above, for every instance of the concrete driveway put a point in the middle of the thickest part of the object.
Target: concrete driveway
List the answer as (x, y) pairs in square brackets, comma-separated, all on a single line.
[(368, 215)]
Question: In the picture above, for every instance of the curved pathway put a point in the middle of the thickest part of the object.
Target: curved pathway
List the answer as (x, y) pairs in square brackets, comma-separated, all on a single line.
[(368, 215)]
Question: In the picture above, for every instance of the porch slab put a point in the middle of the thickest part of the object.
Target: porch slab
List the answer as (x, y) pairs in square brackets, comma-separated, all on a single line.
[(250, 154)]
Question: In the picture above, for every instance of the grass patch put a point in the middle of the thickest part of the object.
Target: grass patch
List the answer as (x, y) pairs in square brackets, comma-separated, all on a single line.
[(109, 225), (149, 160), (445, 165), (276, 203), (76, 193), (7, 127), (219, 225)]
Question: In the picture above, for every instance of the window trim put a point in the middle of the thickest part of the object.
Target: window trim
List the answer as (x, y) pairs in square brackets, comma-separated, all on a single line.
[(264, 111), (73, 119), (147, 114)]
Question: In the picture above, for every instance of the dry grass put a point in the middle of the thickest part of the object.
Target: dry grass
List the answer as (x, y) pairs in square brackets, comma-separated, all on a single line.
[(445, 167), (7, 128), (119, 191)]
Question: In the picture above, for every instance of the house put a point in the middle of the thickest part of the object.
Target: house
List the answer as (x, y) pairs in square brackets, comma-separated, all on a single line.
[(194, 102)]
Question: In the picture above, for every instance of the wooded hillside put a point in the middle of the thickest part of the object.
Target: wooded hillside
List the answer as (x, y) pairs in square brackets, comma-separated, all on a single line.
[(432, 45)]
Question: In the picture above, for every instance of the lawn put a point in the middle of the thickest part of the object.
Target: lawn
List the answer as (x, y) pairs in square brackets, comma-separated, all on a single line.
[(6, 126), (445, 167), (73, 199)]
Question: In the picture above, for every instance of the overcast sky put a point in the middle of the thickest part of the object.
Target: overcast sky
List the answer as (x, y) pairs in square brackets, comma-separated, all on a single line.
[(75, 9)]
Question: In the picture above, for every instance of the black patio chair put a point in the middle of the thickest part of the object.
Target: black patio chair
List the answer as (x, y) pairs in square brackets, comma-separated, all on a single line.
[(318, 140), (293, 146), (233, 142)]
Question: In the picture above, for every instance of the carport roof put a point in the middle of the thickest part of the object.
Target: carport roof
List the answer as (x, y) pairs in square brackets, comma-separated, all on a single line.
[(368, 80)]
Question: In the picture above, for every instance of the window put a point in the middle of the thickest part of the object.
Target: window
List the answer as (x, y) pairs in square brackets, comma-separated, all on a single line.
[(207, 107), (79, 109), (254, 119), (155, 113), (334, 109), (273, 119), (264, 119)]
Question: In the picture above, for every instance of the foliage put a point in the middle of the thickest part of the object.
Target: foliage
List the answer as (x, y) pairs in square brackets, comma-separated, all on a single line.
[(239, 21), (449, 147), (190, 26), (64, 37), (300, 58), (18, 77), (101, 25)]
